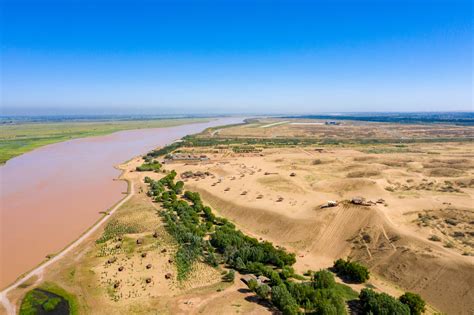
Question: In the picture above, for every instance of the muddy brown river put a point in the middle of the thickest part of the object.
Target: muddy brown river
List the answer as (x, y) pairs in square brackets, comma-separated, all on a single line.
[(51, 195)]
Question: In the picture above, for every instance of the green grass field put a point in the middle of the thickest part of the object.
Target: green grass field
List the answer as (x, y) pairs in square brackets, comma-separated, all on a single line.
[(16, 139)]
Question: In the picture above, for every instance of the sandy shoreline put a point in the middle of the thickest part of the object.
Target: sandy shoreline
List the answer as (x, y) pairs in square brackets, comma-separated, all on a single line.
[(9, 307), (141, 140)]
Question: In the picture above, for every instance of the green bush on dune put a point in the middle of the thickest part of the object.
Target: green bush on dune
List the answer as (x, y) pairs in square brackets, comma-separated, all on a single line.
[(414, 302), (381, 304), (351, 270), (150, 166)]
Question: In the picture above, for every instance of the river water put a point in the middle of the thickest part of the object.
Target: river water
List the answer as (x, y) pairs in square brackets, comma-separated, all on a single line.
[(51, 195)]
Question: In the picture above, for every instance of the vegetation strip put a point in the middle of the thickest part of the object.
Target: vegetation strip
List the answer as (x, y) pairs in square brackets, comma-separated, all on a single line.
[(203, 236)]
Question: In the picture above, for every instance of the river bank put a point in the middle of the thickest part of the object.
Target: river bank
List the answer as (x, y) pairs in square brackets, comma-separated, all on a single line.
[(18, 136), (52, 194)]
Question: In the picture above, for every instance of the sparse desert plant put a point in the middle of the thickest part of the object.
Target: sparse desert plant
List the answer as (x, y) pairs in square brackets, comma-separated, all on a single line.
[(116, 228), (395, 238), (450, 221), (316, 162), (444, 172), (435, 238), (229, 276), (449, 245), (362, 174)]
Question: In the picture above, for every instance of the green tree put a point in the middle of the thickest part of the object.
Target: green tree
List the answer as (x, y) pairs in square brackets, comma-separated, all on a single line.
[(414, 302), (381, 304), (323, 279), (351, 270), (326, 308), (287, 272), (178, 187), (263, 291), (283, 300), (252, 284), (239, 264)]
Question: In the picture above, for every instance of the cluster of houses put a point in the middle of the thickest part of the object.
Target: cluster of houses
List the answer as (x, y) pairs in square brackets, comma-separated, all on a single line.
[(332, 122), (179, 157)]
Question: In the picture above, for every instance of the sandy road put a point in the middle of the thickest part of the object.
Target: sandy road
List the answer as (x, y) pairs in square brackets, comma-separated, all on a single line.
[(275, 124), (10, 307)]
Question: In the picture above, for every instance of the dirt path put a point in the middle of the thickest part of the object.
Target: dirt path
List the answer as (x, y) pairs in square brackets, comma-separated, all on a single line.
[(9, 307)]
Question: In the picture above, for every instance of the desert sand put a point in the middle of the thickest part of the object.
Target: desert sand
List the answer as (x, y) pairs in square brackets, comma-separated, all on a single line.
[(417, 234)]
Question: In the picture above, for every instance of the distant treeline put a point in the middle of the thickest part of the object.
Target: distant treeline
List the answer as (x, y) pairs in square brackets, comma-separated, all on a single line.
[(458, 118), (200, 141), (17, 119)]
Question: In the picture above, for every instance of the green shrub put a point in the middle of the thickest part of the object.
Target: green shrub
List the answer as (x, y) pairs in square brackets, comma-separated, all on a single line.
[(32, 300), (116, 228), (230, 276), (46, 299), (414, 302), (263, 291), (381, 304), (149, 166), (51, 304), (69, 297), (283, 300), (435, 238), (351, 271), (323, 279), (252, 284)]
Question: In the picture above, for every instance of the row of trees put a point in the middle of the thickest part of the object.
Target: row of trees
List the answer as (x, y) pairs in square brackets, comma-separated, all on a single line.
[(320, 295), (183, 222), (188, 221), (239, 249)]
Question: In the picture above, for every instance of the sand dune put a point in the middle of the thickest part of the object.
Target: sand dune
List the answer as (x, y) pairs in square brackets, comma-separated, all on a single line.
[(382, 236)]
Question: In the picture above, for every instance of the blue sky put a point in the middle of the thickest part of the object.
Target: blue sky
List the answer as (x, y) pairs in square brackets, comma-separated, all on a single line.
[(223, 56)]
